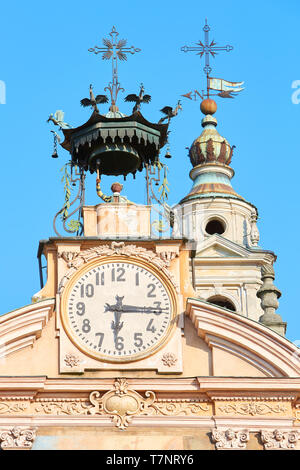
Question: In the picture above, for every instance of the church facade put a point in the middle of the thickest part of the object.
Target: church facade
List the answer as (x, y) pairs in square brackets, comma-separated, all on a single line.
[(142, 340)]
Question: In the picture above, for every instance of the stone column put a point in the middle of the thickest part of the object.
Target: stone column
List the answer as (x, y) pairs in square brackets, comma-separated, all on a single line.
[(268, 295)]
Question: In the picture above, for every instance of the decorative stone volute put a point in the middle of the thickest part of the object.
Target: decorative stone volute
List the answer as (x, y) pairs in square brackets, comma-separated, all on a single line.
[(269, 294), (230, 439), (17, 438), (279, 439)]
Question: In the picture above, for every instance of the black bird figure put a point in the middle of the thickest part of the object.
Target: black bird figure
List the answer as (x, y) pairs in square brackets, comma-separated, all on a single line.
[(170, 112), (138, 99), (93, 101)]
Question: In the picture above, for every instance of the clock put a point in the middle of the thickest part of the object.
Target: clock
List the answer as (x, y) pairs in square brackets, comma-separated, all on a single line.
[(119, 309)]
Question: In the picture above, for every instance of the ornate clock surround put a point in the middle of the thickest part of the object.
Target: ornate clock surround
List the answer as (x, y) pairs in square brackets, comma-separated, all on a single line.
[(166, 357)]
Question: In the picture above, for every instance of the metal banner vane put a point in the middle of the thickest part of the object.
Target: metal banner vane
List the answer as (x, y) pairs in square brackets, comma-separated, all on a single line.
[(211, 49), (114, 49)]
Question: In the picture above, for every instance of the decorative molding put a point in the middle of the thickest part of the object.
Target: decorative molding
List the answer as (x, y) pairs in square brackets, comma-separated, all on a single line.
[(21, 328), (68, 256), (251, 408), (230, 439), (279, 439), (262, 396), (173, 407), (116, 249), (169, 359), (168, 256), (17, 438), (121, 403), (62, 406), (13, 407)]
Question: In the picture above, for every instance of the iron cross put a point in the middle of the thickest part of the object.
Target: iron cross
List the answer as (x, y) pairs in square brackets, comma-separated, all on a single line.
[(208, 49), (114, 49)]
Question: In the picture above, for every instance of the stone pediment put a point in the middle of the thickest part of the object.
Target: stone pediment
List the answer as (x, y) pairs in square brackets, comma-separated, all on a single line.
[(240, 346), (219, 247)]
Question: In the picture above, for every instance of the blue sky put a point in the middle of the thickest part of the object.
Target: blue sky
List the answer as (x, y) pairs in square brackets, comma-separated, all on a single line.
[(45, 64)]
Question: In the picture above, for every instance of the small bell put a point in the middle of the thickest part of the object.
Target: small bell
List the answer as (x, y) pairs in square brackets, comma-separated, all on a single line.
[(168, 155), (54, 154)]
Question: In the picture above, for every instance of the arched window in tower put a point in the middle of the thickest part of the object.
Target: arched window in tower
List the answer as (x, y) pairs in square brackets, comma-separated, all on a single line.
[(215, 226), (222, 301)]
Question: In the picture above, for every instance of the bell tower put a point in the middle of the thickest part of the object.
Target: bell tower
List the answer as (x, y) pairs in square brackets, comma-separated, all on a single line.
[(227, 262)]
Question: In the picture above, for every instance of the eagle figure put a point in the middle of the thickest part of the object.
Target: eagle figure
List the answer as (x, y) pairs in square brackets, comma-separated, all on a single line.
[(93, 101), (138, 99), (170, 112)]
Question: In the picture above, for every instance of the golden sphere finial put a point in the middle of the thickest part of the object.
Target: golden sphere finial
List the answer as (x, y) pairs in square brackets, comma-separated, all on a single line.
[(208, 106)]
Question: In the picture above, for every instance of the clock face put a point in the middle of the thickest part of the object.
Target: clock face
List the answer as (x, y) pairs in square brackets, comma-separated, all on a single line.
[(118, 311)]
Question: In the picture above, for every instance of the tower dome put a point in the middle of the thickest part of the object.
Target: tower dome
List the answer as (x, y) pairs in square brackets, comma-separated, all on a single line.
[(210, 146), (211, 155)]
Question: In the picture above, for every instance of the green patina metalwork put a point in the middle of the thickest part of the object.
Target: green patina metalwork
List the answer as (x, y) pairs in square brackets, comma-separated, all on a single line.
[(73, 225)]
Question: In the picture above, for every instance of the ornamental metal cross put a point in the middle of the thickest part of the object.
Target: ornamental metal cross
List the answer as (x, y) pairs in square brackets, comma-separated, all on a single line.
[(207, 48), (114, 50)]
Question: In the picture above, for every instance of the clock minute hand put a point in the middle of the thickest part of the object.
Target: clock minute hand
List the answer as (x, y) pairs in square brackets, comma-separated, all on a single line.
[(134, 309)]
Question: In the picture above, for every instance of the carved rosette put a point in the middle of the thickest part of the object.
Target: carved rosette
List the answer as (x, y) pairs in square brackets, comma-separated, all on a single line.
[(117, 249), (121, 403), (278, 439), (71, 360), (230, 439), (169, 359), (18, 438)]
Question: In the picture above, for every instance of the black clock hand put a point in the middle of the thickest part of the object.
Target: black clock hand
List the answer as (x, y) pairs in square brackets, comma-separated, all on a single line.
[(134, 309), (116, 325), (147, 310)]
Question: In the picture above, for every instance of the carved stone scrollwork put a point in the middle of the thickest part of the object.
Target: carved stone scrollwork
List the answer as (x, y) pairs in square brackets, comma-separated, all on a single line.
[(168, 256), (68, 256), (252, 408), (121, 403), (230, 439), (18, 438), (278, 439), (116, 248)]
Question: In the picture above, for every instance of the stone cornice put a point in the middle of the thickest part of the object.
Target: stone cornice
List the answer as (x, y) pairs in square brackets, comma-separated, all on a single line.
[(207, 388), (240, 254)]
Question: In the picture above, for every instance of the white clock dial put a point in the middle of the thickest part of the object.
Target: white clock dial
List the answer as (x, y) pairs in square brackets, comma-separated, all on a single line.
[(118, 311)]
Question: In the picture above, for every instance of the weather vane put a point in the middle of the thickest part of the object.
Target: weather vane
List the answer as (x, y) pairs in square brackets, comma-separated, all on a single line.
[(225, 88), (115, 50)]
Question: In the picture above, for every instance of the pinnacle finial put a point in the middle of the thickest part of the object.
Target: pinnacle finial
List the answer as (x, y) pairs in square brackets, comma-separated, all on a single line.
[(208, 106), (269, 294)]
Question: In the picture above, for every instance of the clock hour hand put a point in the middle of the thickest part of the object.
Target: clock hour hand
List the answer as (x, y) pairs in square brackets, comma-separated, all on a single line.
[(116, 324)]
